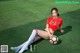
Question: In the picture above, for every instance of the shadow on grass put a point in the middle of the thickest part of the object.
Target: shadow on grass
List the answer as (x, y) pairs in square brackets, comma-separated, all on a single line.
[(66, 30), (21, 33)]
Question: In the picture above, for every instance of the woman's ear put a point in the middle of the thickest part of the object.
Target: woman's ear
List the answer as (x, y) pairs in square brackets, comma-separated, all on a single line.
[(58, 14)]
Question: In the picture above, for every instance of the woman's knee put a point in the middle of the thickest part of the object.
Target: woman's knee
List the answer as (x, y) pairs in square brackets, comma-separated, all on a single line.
[(36, 30)]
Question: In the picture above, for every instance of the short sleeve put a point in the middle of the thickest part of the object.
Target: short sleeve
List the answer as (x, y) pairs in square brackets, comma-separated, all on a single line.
[(47, 22)]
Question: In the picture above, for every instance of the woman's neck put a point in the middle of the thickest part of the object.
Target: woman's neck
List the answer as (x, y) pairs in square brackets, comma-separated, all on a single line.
[(55, 17)]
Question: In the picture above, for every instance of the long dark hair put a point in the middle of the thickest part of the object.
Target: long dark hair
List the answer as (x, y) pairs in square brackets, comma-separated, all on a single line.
[(55, 10)]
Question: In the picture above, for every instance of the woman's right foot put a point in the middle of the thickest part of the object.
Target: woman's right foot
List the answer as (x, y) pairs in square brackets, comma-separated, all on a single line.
[(21, 51)]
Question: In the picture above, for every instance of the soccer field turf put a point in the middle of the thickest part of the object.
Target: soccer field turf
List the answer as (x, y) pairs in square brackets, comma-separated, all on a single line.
[(19, 17)]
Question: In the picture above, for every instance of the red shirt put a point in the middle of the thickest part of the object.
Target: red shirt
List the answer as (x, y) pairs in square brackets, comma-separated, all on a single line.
[(54, 23)]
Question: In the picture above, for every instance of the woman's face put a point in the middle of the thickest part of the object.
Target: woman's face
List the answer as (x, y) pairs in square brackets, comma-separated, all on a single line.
[(54, 13)]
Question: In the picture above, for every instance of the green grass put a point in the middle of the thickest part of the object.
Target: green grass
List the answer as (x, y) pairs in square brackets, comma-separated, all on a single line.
[(19, 17)]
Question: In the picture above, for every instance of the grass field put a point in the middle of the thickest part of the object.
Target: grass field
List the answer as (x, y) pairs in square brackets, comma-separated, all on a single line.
[(19, 17)]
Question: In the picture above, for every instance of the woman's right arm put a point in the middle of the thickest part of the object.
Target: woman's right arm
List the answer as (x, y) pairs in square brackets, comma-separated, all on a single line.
[(48, 30)]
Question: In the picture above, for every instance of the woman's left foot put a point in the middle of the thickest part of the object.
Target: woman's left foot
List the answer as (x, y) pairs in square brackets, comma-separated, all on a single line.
[(16, 49)]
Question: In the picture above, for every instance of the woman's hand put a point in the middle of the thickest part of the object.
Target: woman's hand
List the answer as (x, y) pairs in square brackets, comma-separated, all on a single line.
[(51, 41), (61, 31), (51, 36)]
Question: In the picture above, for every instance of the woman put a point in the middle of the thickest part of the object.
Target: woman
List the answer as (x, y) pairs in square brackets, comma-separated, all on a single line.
[(53, 23)]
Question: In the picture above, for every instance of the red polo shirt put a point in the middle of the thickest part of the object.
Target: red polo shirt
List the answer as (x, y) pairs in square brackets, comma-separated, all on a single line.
[(54, 23)]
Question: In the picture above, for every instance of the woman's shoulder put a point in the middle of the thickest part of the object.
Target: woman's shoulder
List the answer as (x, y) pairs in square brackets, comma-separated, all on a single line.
[(49, 18), (60, 18)]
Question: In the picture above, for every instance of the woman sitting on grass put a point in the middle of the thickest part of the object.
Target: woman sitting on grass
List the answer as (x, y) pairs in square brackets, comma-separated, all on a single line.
[(53, 23)]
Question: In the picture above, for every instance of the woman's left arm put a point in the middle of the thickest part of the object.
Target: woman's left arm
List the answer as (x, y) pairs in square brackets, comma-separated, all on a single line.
[(60, 26), (61, 30)]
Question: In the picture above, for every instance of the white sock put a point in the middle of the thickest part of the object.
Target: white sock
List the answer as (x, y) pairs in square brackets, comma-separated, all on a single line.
[(20, 46), (30, 40)]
